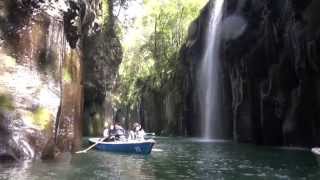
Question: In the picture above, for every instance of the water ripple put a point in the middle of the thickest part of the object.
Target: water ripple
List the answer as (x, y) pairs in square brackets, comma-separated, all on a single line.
[(180, 159)]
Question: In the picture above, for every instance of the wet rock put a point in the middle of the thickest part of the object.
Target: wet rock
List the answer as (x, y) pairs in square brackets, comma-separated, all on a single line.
[(6, 154), (270, 72), (102, 57), (41, 93)]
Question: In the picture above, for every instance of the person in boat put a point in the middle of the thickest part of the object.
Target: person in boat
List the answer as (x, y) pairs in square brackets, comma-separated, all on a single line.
[(138, 132), (106, 130), (117, 132), (108, 133)]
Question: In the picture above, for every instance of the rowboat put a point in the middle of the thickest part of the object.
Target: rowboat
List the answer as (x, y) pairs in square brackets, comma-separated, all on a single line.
[(128, 146), (316, 152)]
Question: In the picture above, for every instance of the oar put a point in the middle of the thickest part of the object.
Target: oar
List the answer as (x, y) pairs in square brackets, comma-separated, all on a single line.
[(150, 134), (86, 150)]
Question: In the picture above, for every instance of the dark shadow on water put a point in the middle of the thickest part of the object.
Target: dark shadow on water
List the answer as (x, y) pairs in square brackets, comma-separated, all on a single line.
[(7, 158), (179, 158)]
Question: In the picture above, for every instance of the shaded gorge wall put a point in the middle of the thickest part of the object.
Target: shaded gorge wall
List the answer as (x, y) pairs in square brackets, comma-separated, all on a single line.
[(268, 80), (102, 56), (269, 76)]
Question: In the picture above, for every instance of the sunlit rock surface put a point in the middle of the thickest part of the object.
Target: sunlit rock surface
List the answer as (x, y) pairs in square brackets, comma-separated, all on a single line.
[(41, 92), (270, 75)]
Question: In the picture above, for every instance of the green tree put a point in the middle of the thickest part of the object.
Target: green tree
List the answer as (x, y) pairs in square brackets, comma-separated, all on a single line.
[(151, 50)]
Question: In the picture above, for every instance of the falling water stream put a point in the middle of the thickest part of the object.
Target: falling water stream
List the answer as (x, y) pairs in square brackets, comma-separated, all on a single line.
[(208, 77)]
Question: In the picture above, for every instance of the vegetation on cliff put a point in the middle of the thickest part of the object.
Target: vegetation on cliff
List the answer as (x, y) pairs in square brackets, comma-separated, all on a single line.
[(151, 47)]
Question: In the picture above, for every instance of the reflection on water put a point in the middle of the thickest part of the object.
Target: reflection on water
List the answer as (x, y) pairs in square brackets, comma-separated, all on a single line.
[(175, 159)]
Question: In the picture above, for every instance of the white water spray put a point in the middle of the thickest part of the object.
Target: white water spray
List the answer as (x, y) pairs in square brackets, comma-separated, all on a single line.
[(209, 71)]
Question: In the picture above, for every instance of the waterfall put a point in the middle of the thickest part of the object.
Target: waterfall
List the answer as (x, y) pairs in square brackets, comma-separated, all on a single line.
[(208, 75)]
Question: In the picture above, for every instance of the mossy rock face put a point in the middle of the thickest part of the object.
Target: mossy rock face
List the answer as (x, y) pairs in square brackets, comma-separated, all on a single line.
[(41, 117), (67, 76), (6, 102)]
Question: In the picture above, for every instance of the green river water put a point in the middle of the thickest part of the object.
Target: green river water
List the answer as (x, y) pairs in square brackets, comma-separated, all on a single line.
[(175, 158)]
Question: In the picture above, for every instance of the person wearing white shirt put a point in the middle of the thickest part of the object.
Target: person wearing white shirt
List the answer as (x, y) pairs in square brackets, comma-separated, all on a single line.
[(138, 132)]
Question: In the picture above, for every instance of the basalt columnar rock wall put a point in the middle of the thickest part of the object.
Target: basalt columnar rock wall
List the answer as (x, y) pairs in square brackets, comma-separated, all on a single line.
[(102, 57), (270, 88), (41, 75)]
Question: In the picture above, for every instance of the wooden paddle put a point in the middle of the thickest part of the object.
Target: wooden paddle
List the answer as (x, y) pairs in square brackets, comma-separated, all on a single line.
[(150, 134), (86, 150)]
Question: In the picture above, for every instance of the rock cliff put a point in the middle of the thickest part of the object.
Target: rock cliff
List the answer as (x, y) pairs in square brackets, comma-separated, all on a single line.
[(43, 53), (270, 75)]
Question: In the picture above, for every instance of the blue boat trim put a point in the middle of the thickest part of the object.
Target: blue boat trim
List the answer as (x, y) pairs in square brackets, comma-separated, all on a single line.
[(130, 146)]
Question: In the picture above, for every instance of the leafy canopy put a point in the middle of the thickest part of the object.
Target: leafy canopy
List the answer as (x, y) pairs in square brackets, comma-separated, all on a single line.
[(151, 44)]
